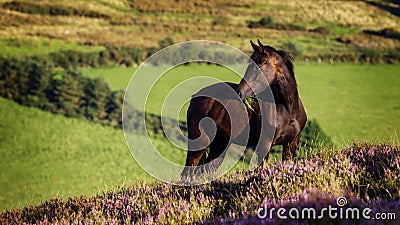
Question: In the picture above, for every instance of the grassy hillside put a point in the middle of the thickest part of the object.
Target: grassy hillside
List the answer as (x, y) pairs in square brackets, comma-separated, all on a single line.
[(366, 175), (45, 155), (327, 29), (351, 102)]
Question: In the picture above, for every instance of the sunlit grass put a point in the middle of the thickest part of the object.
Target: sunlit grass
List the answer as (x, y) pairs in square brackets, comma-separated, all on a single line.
[(135, 26), (351, 102), (46, 155), (40, 46)]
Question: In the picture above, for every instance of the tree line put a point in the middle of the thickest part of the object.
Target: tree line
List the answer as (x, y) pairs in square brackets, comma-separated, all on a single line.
[(33, 81)]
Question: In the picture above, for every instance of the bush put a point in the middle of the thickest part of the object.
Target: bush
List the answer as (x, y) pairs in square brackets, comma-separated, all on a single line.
[(267, 21), (22, 78), (321, 30), (386, 32), (31, 81), (313, 136), (51, 9), (295, 49), (166, 42)]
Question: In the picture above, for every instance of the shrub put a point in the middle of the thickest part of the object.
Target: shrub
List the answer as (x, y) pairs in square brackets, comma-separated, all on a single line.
[(51, 9), (321, 30), (165, 42), (386, 32), (313, 135), (31, 81), (267, 21), (290, 46)]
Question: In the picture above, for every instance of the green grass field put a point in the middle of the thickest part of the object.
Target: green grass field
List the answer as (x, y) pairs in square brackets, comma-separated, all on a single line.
[(39, 46), (351, 102), (45, 155)]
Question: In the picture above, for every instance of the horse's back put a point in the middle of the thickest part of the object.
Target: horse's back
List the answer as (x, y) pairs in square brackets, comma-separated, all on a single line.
[(203, 104), (221, 103), (220, 90), (203, 101)]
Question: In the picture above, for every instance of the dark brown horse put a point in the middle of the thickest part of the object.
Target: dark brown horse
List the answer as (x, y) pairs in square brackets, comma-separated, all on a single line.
[(231, 119)]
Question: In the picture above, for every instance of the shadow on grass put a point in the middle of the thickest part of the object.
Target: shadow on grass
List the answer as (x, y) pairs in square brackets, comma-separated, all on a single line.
[(394, 10), (386, 33)]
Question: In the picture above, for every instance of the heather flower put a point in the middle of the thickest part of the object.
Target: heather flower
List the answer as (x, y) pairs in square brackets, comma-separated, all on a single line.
[(367, 175)]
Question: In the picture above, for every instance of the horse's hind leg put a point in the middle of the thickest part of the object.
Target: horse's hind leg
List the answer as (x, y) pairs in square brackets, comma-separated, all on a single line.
[(203, 159), (217, 154), (289, 150), (193, 159), (196, 150)]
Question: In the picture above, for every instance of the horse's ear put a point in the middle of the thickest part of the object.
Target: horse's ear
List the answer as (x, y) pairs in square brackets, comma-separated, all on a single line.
[(256, 48), (265, 49), (261, 45)]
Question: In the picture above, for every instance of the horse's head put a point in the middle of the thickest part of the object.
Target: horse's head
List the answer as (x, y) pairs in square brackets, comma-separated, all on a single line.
[(264, 70)]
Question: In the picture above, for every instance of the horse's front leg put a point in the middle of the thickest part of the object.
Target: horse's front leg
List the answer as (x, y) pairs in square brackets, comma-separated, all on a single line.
[(195, 157), (261, 153), (289, 150)]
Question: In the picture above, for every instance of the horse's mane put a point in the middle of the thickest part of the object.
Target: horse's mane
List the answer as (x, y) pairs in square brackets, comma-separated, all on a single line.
[(287, 58)]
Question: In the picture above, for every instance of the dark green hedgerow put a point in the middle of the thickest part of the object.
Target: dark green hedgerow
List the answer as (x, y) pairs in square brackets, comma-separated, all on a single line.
[(51, 9), (32, 82)]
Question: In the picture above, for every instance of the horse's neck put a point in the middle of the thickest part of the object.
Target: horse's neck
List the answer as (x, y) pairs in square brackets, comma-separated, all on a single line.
[(286, 93)]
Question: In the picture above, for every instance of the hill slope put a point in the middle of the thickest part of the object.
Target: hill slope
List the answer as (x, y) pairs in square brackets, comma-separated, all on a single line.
[(45, 155), (315, 182), (327, 29)]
